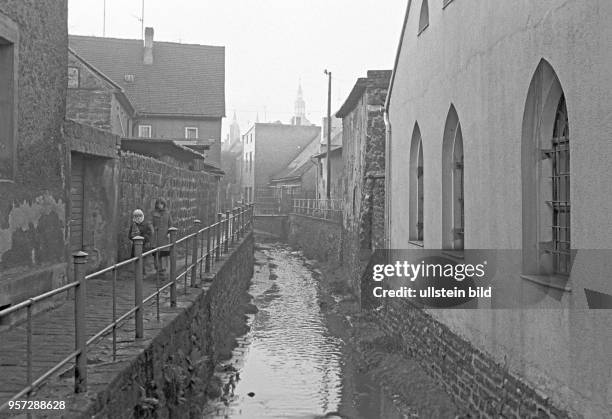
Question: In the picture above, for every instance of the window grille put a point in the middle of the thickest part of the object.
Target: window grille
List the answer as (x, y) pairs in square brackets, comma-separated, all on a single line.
[(420, 196), (560, 202), (458, 191)]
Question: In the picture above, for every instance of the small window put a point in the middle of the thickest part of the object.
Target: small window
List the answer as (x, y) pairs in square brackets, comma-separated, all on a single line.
[(191, 133), (9, 55), (73, 78), (424, 19), (144, 131)]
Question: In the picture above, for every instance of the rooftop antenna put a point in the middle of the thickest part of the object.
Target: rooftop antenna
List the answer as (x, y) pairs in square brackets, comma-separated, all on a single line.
[(104, 20), (141, 20)]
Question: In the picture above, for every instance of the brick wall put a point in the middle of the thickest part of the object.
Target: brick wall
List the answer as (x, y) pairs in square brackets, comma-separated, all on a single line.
[(190, 195), (470, 376)]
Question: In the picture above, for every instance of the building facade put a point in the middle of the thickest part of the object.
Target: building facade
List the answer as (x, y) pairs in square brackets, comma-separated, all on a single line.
[(363, 159), (486, 106), (267, 150), (96, 100), (183, 102), (34, 155)]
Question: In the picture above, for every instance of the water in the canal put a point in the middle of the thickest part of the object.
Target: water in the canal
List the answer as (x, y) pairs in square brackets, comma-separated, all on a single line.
[(289, 365)]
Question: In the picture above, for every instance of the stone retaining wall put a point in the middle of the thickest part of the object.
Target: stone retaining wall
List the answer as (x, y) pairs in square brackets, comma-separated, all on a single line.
[(318, 238), (169, 376)]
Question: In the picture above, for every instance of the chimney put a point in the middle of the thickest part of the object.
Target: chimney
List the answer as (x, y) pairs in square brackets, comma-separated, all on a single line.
[(148, 47)]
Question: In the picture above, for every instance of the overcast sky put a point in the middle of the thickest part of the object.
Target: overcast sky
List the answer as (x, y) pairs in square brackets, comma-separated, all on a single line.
[(269, 44)]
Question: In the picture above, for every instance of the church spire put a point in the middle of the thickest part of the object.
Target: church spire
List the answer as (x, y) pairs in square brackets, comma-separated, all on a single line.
[(299, 117), (234, 129)]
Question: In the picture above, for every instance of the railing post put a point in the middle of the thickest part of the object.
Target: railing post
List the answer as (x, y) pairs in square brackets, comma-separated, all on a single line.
[(242, 210), (172, 273), (194, 253), (218, 242), (227, 231), (231, 227), (235, 225), (80, 334), (207, 260), (138, 316)]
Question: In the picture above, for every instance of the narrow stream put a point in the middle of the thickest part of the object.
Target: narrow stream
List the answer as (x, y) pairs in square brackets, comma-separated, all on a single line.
[(289, 365)]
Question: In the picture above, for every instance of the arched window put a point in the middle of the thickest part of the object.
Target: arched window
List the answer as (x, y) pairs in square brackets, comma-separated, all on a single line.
[(424, 18), (453, 218), (416, 191), (545, 168)]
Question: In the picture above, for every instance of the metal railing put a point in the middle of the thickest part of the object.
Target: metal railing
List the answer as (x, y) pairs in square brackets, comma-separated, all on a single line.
[(205, 247), (328, 209)]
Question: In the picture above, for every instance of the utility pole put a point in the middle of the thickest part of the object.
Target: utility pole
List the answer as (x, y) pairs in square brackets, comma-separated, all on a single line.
[(142, 21), (104, 20), (328, 183)]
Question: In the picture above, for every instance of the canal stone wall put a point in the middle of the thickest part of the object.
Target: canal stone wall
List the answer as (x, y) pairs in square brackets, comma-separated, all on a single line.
[(318, 238), (275, 225), (469, 375), (169, 374)]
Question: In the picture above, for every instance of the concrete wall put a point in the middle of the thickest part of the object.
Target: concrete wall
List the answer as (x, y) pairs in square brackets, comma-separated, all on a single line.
[(319, 239), (174, 128), (176, 360), (190, 195), (275, 225), (337, 176), (33, 207), (481, 59)]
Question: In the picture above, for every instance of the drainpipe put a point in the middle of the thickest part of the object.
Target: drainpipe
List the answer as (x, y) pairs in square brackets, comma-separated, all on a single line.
[(388, 183)]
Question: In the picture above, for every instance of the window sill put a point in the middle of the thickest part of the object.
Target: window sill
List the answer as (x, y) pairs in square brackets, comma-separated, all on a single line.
[(416, 243), (550, 281)]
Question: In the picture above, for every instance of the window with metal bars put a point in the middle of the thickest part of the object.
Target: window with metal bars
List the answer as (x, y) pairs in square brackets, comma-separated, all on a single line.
[(560, 203), (416, 189), (420, 195), (458, 197)]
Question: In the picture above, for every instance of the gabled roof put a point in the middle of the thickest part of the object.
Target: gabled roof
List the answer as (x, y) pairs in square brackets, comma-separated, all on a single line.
[(323, 153), (300, 163), (125, 101), (184, 79)]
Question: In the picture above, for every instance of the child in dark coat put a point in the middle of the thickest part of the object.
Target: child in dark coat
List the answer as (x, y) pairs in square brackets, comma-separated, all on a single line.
[(162, 221), (141, 228)]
